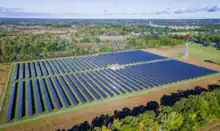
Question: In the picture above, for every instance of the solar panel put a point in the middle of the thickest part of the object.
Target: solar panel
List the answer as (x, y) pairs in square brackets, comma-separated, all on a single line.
[(56, 84)]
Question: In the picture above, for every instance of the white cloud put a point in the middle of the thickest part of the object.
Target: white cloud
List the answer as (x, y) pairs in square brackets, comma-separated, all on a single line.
[(17, 12), (213, 8), (5, 10)]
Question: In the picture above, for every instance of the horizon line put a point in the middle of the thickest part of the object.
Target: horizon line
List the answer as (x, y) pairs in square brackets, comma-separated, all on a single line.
[(106, 18)]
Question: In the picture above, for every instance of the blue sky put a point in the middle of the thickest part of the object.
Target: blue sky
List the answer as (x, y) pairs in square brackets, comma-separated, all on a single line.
[(110, 8)]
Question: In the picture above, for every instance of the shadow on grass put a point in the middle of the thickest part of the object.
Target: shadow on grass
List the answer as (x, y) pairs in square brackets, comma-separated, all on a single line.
[(166, 100), (212, 62)]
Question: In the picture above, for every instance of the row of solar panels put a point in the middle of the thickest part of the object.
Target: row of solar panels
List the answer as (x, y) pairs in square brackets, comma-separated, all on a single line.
[(70, 90), (60, 66)]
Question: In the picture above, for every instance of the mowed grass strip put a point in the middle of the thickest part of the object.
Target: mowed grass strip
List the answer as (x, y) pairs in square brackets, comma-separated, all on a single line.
[(102, 85), (125, 73), (123, 81), (85, 88), (13, 69), (131, 81), (45, 108), (65, 92), (92, 87), (56, 96), (113, 81), (34, 98), (84, 75), (32, 70), (71, 76), (17, 101), (71, 88), (50, 95), (26, 99), (60, 92)]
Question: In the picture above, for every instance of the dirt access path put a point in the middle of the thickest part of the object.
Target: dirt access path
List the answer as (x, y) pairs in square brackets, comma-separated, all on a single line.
[(4, 71)]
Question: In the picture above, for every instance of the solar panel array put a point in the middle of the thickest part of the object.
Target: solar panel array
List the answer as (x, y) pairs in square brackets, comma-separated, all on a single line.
[(70, 90), (67, 65)]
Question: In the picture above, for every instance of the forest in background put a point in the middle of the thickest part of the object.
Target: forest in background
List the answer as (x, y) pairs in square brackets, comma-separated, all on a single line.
[(57, 40)]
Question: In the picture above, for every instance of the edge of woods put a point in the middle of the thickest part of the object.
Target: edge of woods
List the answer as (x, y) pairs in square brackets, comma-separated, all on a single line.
[(45, 115), (77, 56)]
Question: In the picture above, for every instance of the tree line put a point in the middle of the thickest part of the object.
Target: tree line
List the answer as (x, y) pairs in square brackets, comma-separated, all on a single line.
[(207, 39), (187, 114), (20, 47), (139, 42)]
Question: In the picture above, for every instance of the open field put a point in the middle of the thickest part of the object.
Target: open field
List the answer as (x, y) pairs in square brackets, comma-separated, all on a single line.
[(48, 31), (196, 55), (204, 53), (78, 116), (113, 38), (168, 51), (180, 33)]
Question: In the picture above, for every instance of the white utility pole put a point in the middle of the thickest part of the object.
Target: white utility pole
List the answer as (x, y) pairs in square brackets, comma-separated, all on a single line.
[(187, 50), (187, 47)]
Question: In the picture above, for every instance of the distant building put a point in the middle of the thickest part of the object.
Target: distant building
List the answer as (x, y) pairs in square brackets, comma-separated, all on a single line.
[(175, 26)]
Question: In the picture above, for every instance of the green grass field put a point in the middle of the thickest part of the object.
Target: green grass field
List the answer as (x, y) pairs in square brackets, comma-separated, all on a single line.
[(198, 51), (180, 33)]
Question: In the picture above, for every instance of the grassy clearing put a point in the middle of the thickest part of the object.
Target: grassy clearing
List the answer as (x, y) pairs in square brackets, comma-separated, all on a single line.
[(5, 73), (200, 52), (180, 33)]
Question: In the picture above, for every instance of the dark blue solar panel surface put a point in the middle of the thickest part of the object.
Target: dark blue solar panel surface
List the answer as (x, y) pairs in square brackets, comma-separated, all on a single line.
[(70, 90), (12, 102), (61, 92), (27, 70), (21, 71), (21, 104), (16, 72), (65, 65), (30, 98), (46, 95), (54, 93)]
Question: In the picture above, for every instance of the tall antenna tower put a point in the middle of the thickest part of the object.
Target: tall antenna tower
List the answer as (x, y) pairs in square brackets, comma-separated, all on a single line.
[(150, 23), (187, 46)]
